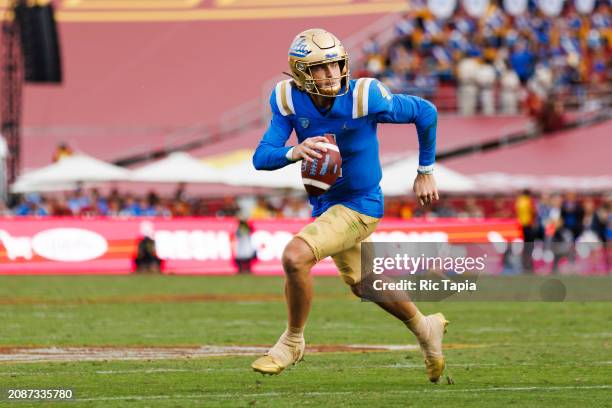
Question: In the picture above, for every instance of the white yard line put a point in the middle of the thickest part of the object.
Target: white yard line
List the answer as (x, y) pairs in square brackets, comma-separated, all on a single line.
[(147, 371), (51, 354), (337, 393), (302, 367)]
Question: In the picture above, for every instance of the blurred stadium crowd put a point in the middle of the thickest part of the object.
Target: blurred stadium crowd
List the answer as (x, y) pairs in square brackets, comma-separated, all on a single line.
[(500, 62), (497, 63), (540, 215)]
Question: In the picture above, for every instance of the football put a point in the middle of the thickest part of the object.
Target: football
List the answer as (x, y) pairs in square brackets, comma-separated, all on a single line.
[(319, 175)]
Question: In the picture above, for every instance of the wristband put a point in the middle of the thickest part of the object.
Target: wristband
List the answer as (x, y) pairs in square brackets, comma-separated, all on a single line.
[(426, 169), (289, 154)]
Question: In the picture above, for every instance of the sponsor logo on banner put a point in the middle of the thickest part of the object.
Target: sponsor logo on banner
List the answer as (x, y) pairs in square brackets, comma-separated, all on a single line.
[(475, 8), (442, 8), (551, 8), (16, 247), (195, 245), (270, 244), (515, 7), (69, 244)]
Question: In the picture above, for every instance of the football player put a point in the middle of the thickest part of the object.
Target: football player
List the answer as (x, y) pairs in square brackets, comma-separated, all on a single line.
[(321, 98)]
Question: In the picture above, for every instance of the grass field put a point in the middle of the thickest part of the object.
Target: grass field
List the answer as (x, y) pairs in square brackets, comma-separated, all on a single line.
[(502, 353)]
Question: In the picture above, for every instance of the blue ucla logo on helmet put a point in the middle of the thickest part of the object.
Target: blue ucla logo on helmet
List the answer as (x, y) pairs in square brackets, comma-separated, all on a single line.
[(299, 48)]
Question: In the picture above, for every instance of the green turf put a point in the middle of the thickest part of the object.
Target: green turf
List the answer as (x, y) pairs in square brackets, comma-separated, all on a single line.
[(529, 353)]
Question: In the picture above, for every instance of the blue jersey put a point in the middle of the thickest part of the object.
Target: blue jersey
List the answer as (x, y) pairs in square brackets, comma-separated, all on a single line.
[(353, 118)]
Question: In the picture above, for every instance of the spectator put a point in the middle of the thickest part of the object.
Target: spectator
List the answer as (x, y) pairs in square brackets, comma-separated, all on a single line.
[(608, 211), (62, 150), (296, 208), (146, 259), (374, 59), (425, 82), (183, 209), (572, 214), (131, 207), (593, 222), (94, 204), (467, 94), (443, 209), (548, 211), (471, 209), (33, 204), (4, 210), (501, 209), (229, 209), (605, 213), (392, 207), (406, 210), (180, 195), (510, 87), (78, 200), (59, 207), (575, 47), (526, 216), (543, 209), (162, 210), (562, 245), (554, 214), (261, 209), (22, 207), (522, 60), (244, 251), (485, 78), (551, 118), (4, 159), (114, 207)]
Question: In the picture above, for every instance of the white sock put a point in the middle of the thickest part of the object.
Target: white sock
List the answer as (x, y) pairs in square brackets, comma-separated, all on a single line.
[(294, 333), (419, 325), (284, 348)]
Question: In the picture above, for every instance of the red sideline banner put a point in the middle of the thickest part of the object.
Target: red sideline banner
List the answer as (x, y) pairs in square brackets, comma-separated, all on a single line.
[(190, 245)]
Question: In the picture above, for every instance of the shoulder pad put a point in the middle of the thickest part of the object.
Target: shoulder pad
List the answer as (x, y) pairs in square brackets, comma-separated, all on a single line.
[(283, 98), (374, 98), (361, 97)]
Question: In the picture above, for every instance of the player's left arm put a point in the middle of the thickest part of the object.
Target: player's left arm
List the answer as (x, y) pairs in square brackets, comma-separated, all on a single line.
[(400, 108)]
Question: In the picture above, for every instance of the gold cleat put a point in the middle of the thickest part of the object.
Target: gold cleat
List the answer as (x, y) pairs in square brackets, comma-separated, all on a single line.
[(432, 347), (279, 357)]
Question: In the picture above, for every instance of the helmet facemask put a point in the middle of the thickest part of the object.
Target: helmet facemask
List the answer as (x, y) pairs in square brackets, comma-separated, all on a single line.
[(319, 86)]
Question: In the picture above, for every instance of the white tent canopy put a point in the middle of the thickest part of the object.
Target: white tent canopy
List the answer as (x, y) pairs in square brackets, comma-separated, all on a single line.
[(502, 182), (244, 174), (236, 170), (398, 178), (26, 186), (177, 167), (68, 171)]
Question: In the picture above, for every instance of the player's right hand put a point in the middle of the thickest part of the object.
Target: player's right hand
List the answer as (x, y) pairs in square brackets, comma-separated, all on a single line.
[(307, 150)]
